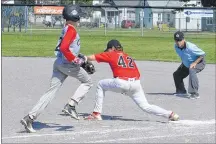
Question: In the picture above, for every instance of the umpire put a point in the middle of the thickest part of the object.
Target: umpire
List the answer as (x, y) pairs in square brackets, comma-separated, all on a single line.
[(193, 61)]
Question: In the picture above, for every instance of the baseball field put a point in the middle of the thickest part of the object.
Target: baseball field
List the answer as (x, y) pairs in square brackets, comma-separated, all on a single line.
[(27, 60)]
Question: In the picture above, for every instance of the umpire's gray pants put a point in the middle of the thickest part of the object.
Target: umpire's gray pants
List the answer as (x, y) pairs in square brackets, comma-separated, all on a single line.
[(60, 72), (182, 72)]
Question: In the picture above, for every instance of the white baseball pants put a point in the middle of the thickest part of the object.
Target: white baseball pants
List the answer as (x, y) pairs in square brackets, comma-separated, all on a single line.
[(131, 88)]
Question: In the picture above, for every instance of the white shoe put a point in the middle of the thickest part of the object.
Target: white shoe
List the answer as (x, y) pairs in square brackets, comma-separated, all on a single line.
[(70, 110), (182, 94), (27, 123)]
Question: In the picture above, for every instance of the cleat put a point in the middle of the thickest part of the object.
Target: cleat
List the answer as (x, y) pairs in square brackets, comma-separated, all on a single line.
[(194, 96), (182, 94), (27, 123), (93, 117), (173, 117), (71, 110)]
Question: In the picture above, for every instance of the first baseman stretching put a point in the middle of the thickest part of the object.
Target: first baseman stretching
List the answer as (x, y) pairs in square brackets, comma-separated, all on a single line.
[(126, 79)]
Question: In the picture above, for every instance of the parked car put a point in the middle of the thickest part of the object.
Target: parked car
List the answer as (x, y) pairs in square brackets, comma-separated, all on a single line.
[(127, 24)]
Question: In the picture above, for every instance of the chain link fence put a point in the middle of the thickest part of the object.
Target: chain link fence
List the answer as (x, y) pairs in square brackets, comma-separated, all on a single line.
[(136, 21)]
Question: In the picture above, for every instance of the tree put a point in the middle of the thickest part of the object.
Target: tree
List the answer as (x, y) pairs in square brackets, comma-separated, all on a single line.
[(205, 3), (208, 3)]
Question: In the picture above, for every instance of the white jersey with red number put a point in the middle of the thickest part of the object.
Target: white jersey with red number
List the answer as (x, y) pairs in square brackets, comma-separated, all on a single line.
[(68, 46)]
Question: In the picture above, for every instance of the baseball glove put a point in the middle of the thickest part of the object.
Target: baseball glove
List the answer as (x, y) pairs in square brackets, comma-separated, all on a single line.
[(88, 67)]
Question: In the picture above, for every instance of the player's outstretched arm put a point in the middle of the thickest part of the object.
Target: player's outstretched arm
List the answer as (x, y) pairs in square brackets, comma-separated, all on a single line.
[(91, 58)]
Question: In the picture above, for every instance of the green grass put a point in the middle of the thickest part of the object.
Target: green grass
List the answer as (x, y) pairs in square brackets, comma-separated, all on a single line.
[(153, 46)]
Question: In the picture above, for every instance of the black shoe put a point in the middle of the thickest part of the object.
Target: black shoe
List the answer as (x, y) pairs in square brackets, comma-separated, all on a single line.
[(182, 94), (194, 96)]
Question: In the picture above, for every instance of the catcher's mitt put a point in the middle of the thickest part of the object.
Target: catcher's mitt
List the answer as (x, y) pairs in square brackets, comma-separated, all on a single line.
[(88, 67)]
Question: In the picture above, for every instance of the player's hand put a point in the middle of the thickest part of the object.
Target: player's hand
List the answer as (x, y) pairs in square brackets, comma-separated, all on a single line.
[(78, 61), (193, 65), (82, 56)]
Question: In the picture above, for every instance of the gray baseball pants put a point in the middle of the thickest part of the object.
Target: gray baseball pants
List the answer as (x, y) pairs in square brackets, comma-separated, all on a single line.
[(182, 72), (60, 72)]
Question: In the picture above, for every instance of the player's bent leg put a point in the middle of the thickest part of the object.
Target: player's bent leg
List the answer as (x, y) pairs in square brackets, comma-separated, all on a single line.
[(193, 84), (102, 86), (100, 93), (105, 85), (86, 83), (178, 76)]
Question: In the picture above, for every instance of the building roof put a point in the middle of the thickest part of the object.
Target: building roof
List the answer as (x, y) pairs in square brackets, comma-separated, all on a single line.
[(127, 2), (107, 8), (164, 3)]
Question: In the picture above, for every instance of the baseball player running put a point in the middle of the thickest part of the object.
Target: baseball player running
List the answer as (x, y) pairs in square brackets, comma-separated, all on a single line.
[(66, 64), (126, 80)]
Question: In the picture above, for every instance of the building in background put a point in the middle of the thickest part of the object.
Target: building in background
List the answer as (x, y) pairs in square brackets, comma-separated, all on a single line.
[(7, 1), (155, 17), (194, 19), (114, 17), (186, 20)]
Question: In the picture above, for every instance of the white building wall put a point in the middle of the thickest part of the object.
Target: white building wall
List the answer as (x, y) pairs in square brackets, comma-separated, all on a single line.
[(155, 19), (181, 24), (195, 19)]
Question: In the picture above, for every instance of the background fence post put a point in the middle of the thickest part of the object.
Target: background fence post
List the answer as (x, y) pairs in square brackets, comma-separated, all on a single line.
[(105, 25), (26, 18)]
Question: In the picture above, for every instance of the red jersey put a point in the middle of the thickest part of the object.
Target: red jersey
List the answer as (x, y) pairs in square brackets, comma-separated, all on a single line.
[(121, 64)]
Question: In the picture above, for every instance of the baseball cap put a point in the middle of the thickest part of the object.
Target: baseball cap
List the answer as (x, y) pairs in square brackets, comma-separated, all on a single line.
[(113, 43), (178, 36)]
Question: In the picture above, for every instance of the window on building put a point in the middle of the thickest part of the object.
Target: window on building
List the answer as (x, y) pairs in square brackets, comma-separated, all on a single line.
[(150, 17), (168, 17), (209, 20), (159, 17), (129, 14)]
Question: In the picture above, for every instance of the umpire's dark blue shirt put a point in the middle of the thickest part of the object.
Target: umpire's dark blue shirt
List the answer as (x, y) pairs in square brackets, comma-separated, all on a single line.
[(189, 54)]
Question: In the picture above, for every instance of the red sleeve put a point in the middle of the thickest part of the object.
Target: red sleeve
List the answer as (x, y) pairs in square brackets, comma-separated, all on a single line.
[(103, 57), (69, 37)]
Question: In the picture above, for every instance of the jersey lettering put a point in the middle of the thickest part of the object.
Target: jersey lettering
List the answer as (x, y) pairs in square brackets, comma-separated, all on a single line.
[(130, 64), (122, 62)]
